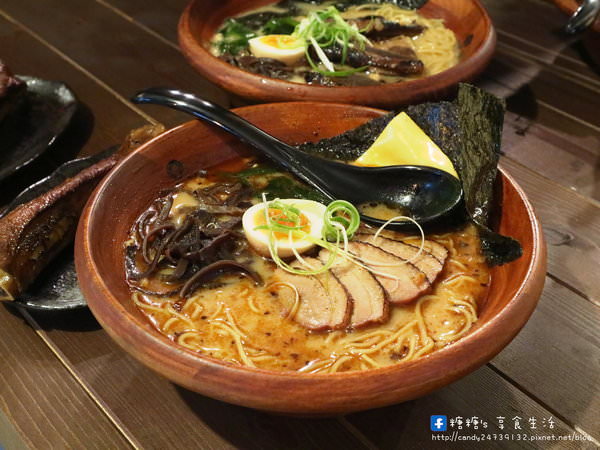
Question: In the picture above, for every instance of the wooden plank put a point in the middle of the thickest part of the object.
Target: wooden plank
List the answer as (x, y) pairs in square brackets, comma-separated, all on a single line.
[(556, 357), (122, 56), (569, 95), (571, 225), (41, 399), (162, 415), (161, 16), (483, 394), (534, 27), (94, 127), (567, 159)]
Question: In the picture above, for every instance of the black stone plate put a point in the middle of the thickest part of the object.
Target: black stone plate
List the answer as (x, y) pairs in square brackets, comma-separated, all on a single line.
[(56, 289), (47, 110)]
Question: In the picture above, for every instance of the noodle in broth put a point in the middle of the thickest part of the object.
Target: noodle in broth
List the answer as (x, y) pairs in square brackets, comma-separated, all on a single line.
[(245, 324)]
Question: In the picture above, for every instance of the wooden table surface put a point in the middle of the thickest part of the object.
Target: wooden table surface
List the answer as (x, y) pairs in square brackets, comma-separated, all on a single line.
[(65, 384)]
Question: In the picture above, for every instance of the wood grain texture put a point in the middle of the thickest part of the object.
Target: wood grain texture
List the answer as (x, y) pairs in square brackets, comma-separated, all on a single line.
[(534, 26), (120, 55), (574, 158), (482, 394), (174, 417), (546, 358), (94, 128), (571, 224), (41, 399)]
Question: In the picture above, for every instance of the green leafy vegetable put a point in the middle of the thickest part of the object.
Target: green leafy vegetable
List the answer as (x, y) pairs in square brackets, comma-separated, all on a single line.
[(235, 37), (280, 25), (285, 187)]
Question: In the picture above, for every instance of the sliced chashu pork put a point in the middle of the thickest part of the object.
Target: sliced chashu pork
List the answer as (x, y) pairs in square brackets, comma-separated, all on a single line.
[(437, 250), (426, 262), (324, 303), (401, 280), (369, 303)]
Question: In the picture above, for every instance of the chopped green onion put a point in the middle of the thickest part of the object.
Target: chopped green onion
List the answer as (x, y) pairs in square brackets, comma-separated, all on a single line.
[(325, 28), (340, 212)]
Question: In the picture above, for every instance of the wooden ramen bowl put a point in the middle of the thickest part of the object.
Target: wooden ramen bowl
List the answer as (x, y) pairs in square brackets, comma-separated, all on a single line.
[(467, 18), (137, 180)]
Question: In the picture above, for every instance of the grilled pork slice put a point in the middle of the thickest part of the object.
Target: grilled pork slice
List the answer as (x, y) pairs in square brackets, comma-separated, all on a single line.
[(401, 280), (437, 250), (369, 304), (324, 303), (425, 262)]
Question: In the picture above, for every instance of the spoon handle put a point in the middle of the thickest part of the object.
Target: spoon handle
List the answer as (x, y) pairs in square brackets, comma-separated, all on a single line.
[(219, 116)]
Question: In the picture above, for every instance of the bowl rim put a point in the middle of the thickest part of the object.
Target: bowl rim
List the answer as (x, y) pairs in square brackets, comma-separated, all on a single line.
[(145, 341), (231, 78)]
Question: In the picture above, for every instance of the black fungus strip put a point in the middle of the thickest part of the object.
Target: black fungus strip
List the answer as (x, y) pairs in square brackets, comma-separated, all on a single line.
[(147, 240), (215, 270)]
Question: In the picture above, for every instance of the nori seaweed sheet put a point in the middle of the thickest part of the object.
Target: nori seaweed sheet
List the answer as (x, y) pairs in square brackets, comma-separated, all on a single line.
[(469, 131), (349, 145)]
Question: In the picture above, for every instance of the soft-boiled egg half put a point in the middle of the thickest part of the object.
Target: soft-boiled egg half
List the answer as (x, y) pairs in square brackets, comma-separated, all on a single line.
[(282, 47), (310, 219)]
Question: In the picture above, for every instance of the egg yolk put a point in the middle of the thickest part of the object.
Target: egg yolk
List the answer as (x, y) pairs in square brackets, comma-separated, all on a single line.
[(280, 41), (279, 217)]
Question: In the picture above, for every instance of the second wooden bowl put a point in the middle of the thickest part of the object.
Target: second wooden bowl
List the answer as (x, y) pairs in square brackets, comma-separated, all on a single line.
[(138, 179), (467, 18)]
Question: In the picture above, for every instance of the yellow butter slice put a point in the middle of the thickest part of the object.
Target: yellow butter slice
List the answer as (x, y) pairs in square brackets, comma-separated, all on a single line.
[(403, 142)]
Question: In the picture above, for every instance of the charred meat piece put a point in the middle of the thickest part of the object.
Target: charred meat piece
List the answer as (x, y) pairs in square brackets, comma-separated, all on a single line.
[(34, 233), (401, 280), (324, 303), (378, 28), (12, 91), (369, 303), (354, 56), (267, 67), (399, 60), (425, 262)]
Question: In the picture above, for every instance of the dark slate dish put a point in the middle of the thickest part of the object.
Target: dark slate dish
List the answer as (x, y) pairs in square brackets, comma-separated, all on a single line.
[(30, 131)]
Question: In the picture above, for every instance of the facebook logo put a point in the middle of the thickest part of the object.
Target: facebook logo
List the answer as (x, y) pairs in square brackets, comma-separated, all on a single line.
[(438, 423)]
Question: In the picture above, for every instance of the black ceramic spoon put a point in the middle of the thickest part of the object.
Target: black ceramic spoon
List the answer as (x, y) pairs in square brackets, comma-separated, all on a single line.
[(425, 194)]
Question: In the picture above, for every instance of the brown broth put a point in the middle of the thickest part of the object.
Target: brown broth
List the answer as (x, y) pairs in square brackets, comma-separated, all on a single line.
[(241, 323)]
